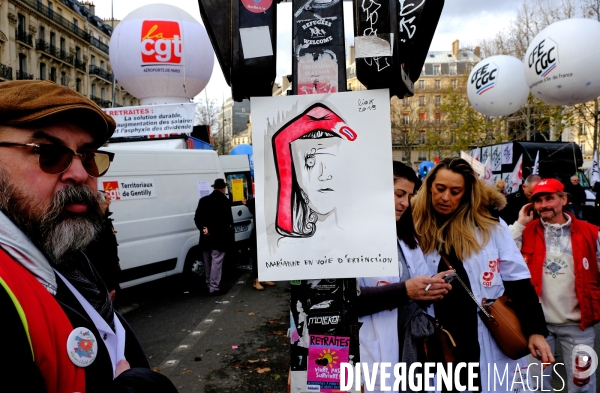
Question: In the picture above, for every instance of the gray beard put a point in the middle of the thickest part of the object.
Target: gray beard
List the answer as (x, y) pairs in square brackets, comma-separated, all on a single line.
[(61, 235)]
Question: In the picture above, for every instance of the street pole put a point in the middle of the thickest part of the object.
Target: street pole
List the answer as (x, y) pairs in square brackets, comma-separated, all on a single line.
[(223, 127), (112, 22)]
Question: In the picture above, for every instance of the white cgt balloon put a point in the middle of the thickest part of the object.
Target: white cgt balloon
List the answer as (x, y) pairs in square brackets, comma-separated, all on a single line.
[(496, 86), (561, 63), (161, 55)]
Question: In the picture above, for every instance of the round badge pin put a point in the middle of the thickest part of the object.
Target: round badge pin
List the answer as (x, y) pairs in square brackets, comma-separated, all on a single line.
[(82, 347), (586, 264)]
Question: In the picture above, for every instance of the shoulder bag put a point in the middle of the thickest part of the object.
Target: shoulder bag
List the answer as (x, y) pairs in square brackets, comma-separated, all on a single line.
[(501, 320)]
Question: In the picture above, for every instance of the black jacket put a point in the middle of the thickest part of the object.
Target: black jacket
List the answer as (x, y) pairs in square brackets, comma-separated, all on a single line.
[(103, 253), (515, 202), (214, 213)]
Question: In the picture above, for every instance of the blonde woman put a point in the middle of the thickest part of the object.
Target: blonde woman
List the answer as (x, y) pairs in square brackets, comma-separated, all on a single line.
[(452, 217), (501, 186)]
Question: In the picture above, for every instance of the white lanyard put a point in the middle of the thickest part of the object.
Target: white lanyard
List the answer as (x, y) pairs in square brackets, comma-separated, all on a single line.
[(115, 343)]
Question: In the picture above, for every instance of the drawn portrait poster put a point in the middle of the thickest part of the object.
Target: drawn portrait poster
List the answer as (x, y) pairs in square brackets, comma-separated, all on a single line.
[(324, 186), (325, 354)]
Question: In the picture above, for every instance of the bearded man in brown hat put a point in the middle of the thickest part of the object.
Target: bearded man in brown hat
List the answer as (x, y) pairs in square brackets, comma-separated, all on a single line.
[(62, 332)]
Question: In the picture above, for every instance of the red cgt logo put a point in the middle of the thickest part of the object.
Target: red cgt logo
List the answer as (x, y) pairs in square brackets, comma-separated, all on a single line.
[(161, 42)]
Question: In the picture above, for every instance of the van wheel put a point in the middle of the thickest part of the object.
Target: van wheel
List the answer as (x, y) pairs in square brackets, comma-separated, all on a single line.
[(194, 265)]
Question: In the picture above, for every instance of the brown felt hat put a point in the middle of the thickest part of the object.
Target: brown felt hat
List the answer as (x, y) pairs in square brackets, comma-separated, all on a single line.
[(32, 103)]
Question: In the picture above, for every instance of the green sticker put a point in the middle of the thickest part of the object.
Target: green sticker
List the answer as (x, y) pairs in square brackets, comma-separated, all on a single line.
[(295, 282)]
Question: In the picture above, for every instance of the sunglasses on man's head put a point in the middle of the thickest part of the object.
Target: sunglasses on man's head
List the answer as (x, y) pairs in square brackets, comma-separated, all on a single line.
[(56, 159)]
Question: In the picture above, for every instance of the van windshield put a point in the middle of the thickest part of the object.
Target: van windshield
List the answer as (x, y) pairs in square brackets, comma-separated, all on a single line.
[(239, 186)]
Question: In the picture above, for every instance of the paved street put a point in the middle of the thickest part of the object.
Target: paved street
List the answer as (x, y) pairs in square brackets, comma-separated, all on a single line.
[(190, 337)]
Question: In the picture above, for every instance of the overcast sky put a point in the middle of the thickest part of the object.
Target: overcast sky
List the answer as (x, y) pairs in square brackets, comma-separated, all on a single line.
[(466, 20)]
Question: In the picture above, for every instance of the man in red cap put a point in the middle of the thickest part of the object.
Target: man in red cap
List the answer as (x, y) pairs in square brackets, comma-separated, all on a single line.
[(562, 255), (61, 331)]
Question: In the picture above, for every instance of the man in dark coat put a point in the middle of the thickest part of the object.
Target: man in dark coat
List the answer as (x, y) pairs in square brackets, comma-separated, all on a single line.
[(103, 251), (515, 201), (577, 197), (215, 221)]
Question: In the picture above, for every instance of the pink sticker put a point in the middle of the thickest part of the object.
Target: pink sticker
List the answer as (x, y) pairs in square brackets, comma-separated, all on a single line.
[(257, 6), (325, 354)]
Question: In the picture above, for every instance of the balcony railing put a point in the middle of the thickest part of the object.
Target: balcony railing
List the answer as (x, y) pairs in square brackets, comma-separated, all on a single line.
[(80, 65), (46, 47), (99, 44), (22, 75), (102, 103), (5, 72), (24, 37), (48, 12), (102, 73)]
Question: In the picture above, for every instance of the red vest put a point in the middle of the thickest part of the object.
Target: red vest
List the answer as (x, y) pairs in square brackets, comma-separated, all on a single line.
[(583, 242), (47, 326)]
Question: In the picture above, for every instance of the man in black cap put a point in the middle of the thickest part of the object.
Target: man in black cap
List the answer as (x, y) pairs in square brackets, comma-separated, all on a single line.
[(215, 221), (62, 333)]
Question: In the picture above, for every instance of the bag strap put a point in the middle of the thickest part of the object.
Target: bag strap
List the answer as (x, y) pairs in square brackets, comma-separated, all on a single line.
[(445, 259)]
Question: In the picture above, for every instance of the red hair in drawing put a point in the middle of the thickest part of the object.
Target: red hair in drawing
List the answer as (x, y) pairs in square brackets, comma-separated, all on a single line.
[(295, 218)]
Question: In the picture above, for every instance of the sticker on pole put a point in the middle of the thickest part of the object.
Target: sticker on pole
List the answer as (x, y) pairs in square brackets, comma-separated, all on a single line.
[(257, 6), (121, 190)]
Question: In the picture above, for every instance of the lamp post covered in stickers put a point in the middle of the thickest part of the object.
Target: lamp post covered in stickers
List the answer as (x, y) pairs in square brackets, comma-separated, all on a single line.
[(391, 55)]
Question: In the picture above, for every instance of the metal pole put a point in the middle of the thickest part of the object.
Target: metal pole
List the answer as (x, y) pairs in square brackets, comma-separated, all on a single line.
[(112, 22), (223, 126)]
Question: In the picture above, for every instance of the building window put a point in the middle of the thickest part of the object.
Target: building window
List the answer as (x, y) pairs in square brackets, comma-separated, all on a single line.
[(453, 84), (78, 85), (422, 117), (438, 118), (53, 39), (94, 89), (103, 93), (42, 33), (405, 101), (21, 23), (93, 60), (130, 102), (75, 23), (421, 139), (42, 71), (422, 155), (438, 100), (438, 84), (452, 69), (422, 101), (62, 44), (405, 118), (63, 78), (437, 69), (404, 155), (53, 74), (421, 84), (22, 63), (102, 64)]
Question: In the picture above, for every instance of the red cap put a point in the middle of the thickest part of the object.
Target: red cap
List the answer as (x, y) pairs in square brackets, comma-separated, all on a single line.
[(547, 186)]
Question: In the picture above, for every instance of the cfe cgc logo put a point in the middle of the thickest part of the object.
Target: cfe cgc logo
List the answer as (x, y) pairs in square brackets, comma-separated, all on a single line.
[(544, 57), (161, 42), (484, 78)]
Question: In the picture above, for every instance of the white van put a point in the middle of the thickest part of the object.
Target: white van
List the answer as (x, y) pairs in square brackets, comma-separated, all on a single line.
[(155, 188)]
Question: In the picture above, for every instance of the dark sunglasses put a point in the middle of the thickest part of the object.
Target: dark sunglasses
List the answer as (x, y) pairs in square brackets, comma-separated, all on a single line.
[(55, 159)]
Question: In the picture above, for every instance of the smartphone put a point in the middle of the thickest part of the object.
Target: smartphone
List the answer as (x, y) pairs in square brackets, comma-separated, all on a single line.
[(449, 277)]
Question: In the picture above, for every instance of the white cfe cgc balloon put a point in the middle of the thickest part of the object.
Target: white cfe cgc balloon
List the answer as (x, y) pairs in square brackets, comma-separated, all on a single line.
[(561, 63), (496, 86), (161, 55)]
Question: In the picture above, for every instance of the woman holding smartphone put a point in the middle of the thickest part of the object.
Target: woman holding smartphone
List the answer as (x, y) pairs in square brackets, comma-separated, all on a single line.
[(455, 226), (384, 303)]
